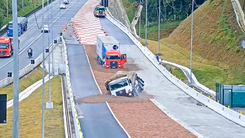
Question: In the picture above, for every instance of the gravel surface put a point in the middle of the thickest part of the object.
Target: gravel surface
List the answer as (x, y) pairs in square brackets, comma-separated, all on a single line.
[(114, 99), (140, 117)]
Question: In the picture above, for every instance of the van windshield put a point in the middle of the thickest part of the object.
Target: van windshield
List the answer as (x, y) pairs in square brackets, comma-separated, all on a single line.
[(3, 46), (100, 8), (112, 57), (10, 25), (118, 85)]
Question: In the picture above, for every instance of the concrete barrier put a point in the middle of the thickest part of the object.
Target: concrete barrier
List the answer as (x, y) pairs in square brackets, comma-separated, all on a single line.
[(78, 130), (25, 70), (224, 111)]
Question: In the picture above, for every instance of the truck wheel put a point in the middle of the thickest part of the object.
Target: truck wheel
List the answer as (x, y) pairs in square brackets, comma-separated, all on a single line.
[(98, 60)]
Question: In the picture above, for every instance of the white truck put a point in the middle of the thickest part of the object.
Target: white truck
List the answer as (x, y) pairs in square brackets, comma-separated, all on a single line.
[(108, 53), (125, 84)]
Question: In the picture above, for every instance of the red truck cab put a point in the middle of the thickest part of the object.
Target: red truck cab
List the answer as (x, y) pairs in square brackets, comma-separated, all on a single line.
[(114, 59), (6, 49)]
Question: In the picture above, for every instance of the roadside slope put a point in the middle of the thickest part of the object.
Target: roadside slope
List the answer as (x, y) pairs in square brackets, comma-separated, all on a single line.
[(217, 55), (216, 34)]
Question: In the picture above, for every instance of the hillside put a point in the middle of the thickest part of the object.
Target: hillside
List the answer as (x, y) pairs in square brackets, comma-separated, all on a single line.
[(216, 34), (217, 54)]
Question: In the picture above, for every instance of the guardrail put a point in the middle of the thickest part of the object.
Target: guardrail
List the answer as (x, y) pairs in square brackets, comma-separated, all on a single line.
[(194, 79), (27, 69), (78, 130), (224, 111)]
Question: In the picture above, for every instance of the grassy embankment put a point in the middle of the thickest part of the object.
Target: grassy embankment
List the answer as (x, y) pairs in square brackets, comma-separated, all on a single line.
[(218, 57), (25, 82), (30, 115)]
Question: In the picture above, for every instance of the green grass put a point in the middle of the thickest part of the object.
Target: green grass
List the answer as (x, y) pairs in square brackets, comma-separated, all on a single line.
[(227, 32), (207, 72), (129, 8), (152, 30), (179, 73), (30, 115), (25, 82)]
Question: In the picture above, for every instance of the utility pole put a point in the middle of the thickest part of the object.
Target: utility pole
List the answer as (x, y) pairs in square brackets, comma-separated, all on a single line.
[(146, 22), (43, 88), (49, 104), (52, 38), (7, 7), (159, 26), (192, 21), (16, 72), (140, 21)]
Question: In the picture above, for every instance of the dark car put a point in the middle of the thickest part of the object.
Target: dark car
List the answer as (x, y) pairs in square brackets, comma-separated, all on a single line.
[(66, 2), (99, 11)]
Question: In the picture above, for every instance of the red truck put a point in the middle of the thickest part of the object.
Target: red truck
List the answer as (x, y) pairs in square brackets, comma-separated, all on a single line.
[(6, 47), (108, 53)]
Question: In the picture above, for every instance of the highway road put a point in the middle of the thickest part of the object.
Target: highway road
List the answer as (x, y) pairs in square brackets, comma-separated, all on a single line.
[(177, 103), (33, 37), (98, 122)]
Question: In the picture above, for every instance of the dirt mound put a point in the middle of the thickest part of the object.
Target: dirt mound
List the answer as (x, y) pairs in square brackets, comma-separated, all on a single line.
[(143, 97)]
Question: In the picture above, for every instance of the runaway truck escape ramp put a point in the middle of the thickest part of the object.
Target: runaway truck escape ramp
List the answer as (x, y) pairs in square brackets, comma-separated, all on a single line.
[(224, 111)]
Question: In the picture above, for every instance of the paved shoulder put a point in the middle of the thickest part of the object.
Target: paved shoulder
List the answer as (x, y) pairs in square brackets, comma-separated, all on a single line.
[(98, 121), (113, 30)]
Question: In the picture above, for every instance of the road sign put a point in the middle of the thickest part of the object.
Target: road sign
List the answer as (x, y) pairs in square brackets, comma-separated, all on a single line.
[(3, 108)]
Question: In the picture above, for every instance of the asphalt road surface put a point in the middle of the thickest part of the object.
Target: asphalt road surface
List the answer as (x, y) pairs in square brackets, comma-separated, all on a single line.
[(98, 122), (33, 37)]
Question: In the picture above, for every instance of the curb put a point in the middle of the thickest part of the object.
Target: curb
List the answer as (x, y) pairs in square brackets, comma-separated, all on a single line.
[(78, 130)]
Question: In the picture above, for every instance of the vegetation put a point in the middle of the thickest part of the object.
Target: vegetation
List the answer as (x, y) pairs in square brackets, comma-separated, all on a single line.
[(217, 54), (30, 115), (25, 82), (174, 10), (152, 30), (172, 13), (28, 6)]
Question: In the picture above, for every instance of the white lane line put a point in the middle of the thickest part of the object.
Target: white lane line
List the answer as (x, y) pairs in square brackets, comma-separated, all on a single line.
[(102, 93), (38, 36), (5, 34), (163, 109), (36, 24)]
